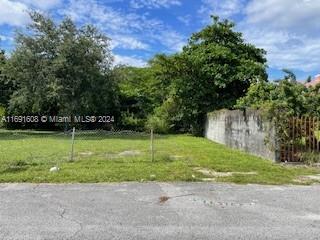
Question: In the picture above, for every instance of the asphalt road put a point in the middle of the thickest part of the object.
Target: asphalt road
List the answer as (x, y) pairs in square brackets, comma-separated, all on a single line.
[(133, 211)]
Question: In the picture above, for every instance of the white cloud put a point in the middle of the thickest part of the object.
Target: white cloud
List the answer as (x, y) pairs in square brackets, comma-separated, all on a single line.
[(128, 30), (295, 15), (172, 40), (224, 9), (288, 30), (13, 13), (154, 3), (6, 38), (287, 50), (107, 18), (127, 42), (129, 60), (42, 4), (185, 19)]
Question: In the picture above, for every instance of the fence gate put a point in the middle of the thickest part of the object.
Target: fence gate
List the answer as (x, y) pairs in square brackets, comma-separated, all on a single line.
[(301, 139)]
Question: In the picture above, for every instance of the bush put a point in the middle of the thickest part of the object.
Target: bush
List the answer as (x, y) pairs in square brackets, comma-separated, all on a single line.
[(2, 113), (310, 157), (163, 119), (130, 121), (158, 124)]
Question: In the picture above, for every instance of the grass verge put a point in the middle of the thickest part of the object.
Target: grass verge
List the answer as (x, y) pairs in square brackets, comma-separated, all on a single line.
[(27, 156)]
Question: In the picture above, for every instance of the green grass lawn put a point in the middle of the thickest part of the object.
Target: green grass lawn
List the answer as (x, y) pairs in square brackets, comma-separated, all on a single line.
[(27, 156)]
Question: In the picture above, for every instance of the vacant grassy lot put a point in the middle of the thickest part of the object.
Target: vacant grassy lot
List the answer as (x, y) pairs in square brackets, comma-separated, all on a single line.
[(27, 156)]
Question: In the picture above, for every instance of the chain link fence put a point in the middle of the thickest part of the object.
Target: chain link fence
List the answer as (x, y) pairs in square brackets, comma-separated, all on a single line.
[(54, 148)]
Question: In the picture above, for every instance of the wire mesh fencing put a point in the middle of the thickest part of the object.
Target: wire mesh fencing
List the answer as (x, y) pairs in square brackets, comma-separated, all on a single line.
[(19, 148), (111, 145)]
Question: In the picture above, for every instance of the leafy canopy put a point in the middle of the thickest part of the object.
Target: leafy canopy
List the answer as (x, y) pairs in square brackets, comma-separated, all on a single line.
[(214, 69), (285, 98), (60, 69), (5, 87)]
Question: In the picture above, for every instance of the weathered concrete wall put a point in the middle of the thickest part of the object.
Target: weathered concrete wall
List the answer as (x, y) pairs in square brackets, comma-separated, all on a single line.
[(242, 130)]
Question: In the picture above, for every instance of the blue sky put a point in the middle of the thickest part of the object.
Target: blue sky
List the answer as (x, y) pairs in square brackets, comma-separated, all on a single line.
[(288, 29)]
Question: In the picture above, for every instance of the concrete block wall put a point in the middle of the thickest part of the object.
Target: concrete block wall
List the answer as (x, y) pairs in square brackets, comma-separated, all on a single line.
[(244, 130)]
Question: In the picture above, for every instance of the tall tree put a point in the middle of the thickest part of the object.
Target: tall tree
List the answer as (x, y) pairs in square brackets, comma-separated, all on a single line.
[(60, 69), (290, 76), (2, 82), (140, 93), (214, 69), (6, 86)]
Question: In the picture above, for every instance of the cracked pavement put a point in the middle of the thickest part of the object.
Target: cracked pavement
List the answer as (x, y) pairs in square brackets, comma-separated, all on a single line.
[(133, 211)]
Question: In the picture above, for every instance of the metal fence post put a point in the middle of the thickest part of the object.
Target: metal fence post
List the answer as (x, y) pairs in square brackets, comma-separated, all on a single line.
[(152, 147), (72, 144)]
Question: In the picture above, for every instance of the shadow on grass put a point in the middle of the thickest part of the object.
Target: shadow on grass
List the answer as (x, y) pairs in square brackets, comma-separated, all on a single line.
[(81, 135), (16, 167), (18, 135)]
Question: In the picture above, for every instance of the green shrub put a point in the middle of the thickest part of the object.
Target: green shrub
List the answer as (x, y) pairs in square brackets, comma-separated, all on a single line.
[(158, 124), (129, 121), (310, 157), (2, 113), (164, 117)]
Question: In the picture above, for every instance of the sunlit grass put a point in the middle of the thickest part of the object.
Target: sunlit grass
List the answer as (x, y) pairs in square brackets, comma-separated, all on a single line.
[(27, 156)]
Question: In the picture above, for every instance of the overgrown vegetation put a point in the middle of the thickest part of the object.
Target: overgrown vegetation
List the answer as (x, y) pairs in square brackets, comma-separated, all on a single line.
[(214, 69), (281, 100), (59, 69)]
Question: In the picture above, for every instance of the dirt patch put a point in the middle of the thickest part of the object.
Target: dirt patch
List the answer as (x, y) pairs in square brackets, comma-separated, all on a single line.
[(213, 174), (129, 153), (307, 179), (175, 157), (86, 154), (208, 179), (112, 155)]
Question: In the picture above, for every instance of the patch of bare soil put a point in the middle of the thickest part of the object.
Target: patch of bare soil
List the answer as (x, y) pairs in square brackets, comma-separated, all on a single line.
[(129, 153), (308, 179), (86, 154), (212, 175), (175, 157), (112, 155)]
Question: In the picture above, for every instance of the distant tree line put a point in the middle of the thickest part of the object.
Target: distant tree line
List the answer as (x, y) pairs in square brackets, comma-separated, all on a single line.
[(60, 69)]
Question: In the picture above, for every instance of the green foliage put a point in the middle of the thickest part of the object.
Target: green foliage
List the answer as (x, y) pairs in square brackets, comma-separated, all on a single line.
[(290, 76), (158, 124), (164, 117), (6, 86), (61, 70), (284, 99), (130, 121), (279, 101), (213, 70), (2, 113), (310, 157), (139, 94)]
